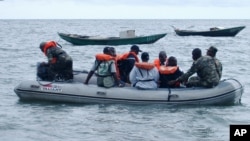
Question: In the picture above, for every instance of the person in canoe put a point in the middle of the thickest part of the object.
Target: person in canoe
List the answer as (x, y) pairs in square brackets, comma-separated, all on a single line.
[(106, 70), (144, 75), (59, 65), (205, 68)]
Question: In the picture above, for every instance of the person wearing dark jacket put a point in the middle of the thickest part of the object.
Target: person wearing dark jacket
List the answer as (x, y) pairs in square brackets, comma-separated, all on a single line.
[(60, 64), (169, 72), (126, 62)]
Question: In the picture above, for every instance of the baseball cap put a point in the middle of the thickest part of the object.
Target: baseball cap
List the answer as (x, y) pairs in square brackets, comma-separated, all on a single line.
[(135, 48)]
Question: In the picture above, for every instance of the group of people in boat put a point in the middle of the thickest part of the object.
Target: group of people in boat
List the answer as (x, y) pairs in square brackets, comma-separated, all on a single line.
[(119, 70)]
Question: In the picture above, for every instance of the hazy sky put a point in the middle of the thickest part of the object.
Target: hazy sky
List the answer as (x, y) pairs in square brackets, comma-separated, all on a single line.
[(124, 9)]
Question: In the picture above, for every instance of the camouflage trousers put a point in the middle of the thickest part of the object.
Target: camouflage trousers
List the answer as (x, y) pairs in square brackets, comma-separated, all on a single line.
[(197, 82)]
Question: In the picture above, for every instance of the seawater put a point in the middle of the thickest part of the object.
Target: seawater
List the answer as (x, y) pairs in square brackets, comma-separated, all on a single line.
[(29, 121)]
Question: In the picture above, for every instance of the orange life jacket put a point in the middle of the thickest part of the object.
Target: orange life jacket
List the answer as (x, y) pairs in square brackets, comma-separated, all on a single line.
[(158, 63), (168, 69), (125, 56), (145, 65), (48, 45), (104, 57)]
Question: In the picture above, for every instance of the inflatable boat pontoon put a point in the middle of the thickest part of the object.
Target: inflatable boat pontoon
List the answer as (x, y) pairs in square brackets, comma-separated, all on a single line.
[(228, 91)]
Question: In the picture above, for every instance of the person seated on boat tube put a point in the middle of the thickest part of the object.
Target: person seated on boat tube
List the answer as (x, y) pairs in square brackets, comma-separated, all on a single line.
[(106, 72), (60, 64), (169, 72), (113, 53), (126, 61), (212, 52), (144, 75), (162, 60), (205, 68)]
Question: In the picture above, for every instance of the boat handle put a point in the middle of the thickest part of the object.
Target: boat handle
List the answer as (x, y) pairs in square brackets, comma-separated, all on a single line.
[(100, 93), (172, 96)]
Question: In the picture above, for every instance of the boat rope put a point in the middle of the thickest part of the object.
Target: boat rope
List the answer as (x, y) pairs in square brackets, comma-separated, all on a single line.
[(39, 82), (60, 46), (234, 80), (75, 72), (54, 80), (65, 81)]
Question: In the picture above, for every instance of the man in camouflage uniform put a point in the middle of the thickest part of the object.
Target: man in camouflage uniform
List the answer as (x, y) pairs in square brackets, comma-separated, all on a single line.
[(212, 52), (204, 66)]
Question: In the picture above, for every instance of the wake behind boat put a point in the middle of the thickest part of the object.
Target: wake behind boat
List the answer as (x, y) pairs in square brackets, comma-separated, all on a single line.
[(125, 38), (213, 32), (228, 92)]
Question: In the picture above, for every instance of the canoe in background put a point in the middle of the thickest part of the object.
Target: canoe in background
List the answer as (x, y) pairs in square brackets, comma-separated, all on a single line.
[(96, 40), (213, 32)]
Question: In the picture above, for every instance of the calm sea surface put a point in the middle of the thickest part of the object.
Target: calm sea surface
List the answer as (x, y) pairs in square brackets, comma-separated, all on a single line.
[(26, 121)]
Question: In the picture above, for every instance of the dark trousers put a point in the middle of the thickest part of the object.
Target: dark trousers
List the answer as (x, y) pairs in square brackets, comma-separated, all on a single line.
[(57, 72)]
